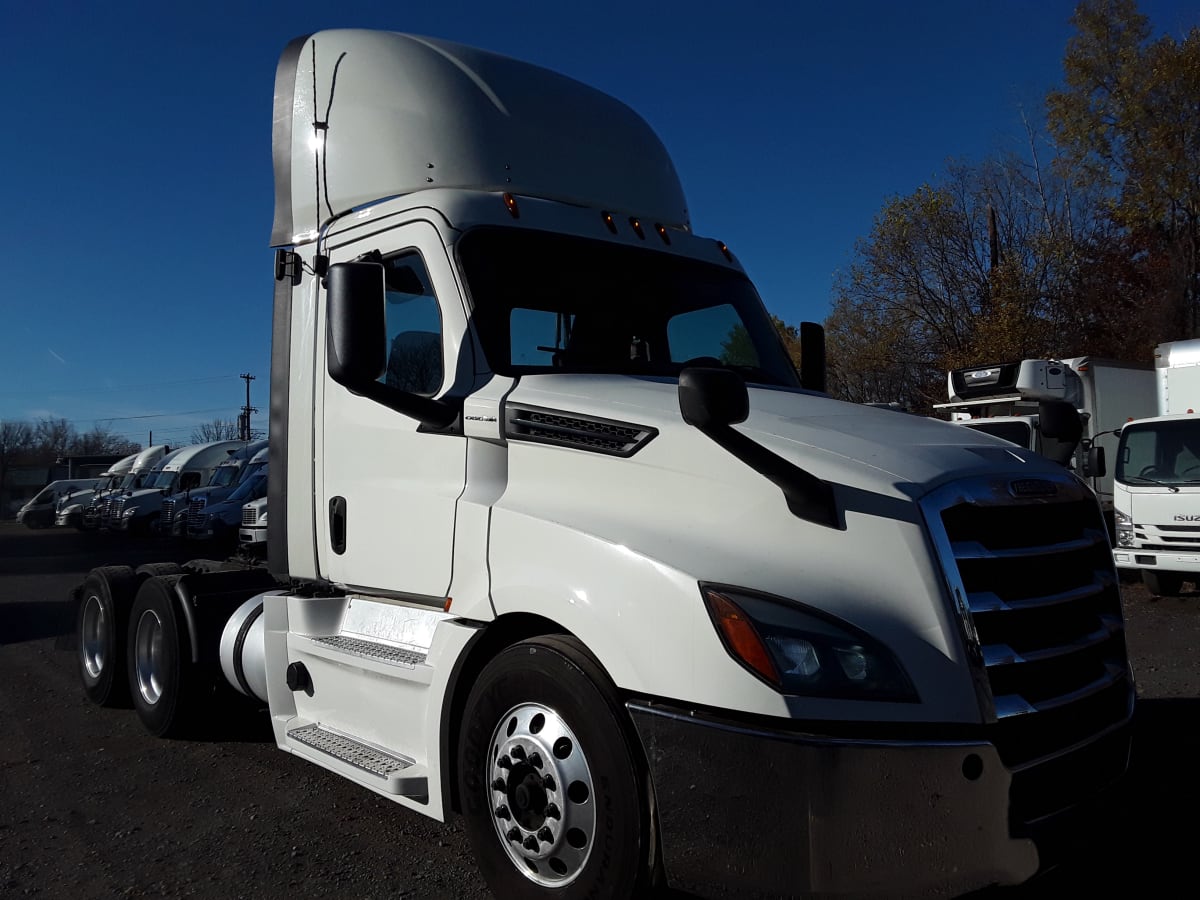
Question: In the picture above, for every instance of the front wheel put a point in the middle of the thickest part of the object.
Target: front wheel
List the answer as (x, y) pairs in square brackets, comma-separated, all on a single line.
[(549, 779), (1162, 584)]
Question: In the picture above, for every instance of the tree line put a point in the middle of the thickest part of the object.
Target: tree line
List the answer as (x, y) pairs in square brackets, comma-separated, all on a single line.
[(1086, 243), (42, 442)]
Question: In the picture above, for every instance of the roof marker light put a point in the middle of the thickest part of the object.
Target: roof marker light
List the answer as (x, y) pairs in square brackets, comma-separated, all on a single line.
[(610, 222), (662, 233), (725, 250), (511, 203), (637, 227)]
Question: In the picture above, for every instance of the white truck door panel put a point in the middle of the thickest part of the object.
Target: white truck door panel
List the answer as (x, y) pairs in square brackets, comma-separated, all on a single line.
[(395, 487)]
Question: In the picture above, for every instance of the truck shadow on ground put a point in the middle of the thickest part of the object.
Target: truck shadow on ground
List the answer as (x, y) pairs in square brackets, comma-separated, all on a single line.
[(1146, 840), (31, 621)]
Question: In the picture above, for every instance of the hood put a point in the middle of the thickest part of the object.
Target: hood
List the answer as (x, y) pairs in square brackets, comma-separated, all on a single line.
[(1163, 508), (850, 444)]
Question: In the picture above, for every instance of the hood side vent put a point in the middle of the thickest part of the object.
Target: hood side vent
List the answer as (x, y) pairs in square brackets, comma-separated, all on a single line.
[(548, 426)]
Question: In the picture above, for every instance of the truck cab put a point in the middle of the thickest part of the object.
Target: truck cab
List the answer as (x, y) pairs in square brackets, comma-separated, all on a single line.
[(219, 520), (72, 508)]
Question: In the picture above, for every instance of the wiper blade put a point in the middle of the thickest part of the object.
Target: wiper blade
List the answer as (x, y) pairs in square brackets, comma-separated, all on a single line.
[(1143, 479)]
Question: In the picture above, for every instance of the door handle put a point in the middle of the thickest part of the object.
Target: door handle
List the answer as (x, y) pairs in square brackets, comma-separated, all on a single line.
[(337, 525)]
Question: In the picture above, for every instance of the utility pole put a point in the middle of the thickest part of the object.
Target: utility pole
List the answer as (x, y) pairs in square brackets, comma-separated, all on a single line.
[(244, 418)]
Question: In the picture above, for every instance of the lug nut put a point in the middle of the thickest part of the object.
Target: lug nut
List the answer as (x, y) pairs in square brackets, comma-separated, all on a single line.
[(531, 843), (535, 760), (502, 812), (545, 835), (499, 784), (504, 762), (548, 783), (518, 753), (514, 834), (552, 811)]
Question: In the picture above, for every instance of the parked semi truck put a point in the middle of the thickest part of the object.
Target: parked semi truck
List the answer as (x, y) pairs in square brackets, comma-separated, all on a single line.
[(561, 541), (1158, 477), (70, 510), (98, 513), (1003, 400), (178, 471), (239, 464)]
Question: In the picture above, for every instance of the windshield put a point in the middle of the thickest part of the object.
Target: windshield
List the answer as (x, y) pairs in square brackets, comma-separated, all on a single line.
[(225, 476), (164, 479), (45, 496), (251, 470), (1017, 433), (252, 488), (1160, 453), (554, 303)]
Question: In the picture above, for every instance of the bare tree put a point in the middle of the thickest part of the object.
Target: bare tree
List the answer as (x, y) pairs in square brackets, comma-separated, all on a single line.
[(16, 442), (216, 430)]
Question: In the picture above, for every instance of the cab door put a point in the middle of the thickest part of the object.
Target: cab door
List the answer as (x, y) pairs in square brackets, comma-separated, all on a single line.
[(389, 486)]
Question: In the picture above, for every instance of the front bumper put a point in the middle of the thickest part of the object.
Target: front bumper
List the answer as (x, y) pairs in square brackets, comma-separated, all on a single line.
[(744, 809), (1167, 560)]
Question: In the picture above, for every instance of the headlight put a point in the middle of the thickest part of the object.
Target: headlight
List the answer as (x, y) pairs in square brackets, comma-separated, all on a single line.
[(262, 520), (1124, 529), (129, 513), (800, 651)]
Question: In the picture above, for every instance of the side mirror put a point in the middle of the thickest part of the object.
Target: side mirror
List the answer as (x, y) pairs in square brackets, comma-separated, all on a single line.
[(1094, 466), (712, 397), (812, 356), (357, 323), (356, 343)]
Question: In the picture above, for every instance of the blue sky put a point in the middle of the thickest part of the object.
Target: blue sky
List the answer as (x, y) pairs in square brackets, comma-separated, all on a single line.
[(137, 165)]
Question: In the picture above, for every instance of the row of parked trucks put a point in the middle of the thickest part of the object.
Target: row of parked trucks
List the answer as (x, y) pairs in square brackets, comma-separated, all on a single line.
[(563, 543), (197, 492)]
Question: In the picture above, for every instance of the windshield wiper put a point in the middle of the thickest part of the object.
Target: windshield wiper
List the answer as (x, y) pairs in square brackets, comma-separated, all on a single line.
[(1170, 487)]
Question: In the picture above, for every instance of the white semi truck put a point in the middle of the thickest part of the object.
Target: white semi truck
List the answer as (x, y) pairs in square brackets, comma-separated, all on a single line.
[(560, 541), (1158, 477), (1003, 399)]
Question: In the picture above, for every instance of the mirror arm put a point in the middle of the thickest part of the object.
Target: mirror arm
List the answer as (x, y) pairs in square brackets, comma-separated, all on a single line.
[(432, 413)]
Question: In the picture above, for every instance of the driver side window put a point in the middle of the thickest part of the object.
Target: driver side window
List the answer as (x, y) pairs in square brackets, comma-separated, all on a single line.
[(414, 327)]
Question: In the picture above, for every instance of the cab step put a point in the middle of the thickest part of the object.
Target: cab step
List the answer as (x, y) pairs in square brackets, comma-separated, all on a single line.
[(395, 774)]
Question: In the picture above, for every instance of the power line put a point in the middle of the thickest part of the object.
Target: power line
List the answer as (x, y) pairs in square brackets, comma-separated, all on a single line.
[(122, 387)]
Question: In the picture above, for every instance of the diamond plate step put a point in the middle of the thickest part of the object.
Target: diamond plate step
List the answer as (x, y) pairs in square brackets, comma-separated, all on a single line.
[(372, 650), (398, 774)]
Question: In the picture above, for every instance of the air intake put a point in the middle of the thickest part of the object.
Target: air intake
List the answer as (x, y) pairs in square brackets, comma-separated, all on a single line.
[(546, 426)]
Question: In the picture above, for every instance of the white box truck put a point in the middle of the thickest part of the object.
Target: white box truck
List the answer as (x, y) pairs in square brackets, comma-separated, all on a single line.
[(1003, 399), (561, 542), (1158, 477)]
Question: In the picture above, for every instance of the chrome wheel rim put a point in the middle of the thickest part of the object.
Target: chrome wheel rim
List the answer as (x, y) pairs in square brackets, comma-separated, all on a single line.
[(541, 793), (148, 648), (94, 636)]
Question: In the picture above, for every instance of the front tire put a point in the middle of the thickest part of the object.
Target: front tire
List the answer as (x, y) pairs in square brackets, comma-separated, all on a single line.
[(1162, 584), (549, 778)]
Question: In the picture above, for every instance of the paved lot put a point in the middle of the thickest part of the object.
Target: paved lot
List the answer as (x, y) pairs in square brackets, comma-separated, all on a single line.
[(93, 807)]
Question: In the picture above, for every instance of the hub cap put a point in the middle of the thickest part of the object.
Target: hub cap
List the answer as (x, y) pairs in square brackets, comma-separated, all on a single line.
[(94, 636), (148, 656), (541, 795)]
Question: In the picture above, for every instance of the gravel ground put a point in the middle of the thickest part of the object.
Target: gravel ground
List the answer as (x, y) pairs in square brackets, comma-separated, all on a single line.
[(93, 807)]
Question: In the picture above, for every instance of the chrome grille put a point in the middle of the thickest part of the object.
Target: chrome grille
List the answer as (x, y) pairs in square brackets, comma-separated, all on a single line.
[(168, 515), (195, 518), (249, 515), (1041, 609), (112, 511)]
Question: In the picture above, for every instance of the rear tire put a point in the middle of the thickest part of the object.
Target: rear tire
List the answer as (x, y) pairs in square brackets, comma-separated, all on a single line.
[(549, 778), (168, 689), (101, 625), (1162, 584)]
